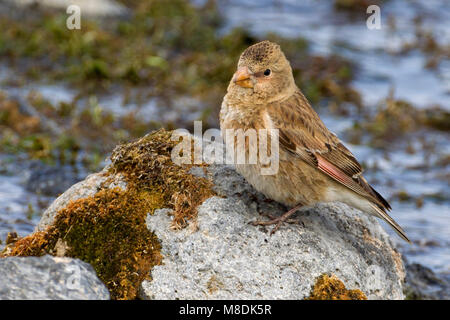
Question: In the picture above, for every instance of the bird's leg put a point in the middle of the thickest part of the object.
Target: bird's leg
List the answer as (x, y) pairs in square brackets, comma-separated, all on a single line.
[(273, 220), (278, 220)]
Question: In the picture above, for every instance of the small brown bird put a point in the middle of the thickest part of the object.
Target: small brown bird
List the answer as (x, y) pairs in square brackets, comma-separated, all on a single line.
[(314, 165)]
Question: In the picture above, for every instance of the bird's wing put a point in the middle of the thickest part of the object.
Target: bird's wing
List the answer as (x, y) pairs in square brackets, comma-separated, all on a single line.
[(304, 135)]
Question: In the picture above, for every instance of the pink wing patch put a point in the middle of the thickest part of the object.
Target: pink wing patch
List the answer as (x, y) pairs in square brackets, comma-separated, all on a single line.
[(336, 173)]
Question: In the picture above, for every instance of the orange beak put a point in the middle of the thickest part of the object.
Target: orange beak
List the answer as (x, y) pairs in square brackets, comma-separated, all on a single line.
[(242, 78)]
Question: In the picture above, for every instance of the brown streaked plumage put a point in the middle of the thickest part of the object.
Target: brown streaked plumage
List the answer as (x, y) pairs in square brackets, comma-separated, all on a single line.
[(314, 165)]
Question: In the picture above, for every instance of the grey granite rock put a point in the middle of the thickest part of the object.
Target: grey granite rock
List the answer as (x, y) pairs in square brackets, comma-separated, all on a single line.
[(223, 257), (49, 278)]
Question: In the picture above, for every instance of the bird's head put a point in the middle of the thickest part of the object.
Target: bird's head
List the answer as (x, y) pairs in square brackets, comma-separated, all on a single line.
[(263, 75)]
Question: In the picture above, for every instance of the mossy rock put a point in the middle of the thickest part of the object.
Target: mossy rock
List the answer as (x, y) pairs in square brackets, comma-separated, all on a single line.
[(111, 221)]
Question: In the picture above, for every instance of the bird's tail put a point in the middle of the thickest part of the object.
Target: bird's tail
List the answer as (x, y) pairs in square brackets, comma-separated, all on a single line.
[(383, 214)]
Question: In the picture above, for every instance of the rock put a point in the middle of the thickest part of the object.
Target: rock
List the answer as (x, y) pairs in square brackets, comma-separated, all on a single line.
[(49, 180), (88, 187), (421, 283), (219, 255), (49, 278), (226, 258)]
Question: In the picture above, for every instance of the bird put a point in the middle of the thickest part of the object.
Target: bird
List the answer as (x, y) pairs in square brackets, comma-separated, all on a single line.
[(314, 164)]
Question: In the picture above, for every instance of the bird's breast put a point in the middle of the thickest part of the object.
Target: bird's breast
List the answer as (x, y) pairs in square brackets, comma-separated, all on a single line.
[(292, 182)]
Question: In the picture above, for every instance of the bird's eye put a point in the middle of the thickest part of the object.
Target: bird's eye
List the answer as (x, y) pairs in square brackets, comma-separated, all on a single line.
[(267, 72)]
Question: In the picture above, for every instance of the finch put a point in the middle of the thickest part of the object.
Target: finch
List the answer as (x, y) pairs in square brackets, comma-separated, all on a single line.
[(314, 165)]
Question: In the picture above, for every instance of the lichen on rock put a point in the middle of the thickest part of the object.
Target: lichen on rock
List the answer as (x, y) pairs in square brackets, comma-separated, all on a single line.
[(331, 288)]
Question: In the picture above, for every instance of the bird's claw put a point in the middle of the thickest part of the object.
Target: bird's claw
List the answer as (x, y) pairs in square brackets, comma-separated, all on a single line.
[(273, 220)]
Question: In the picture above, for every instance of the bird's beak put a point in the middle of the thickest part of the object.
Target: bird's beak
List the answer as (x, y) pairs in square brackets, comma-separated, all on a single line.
[(242, 78)]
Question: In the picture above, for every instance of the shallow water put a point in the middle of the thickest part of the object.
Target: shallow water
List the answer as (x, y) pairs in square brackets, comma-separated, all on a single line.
[(330, 31), (19, 208), (379, 71)]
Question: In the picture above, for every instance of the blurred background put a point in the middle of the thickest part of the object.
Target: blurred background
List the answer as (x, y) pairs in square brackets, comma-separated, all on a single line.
[(67, 97)]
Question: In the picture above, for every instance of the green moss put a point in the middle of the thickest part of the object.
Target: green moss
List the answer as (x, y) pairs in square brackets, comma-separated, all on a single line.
[(108, 229), (437, 119), (357, 6), (119, 52), (147, 164), (12, 117), (325, 77), (396, 118), (57, 134), (331, 288), (403, 196)]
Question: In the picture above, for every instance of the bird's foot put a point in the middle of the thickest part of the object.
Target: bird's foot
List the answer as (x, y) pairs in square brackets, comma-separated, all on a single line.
[(273, 220), (277, 220)]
